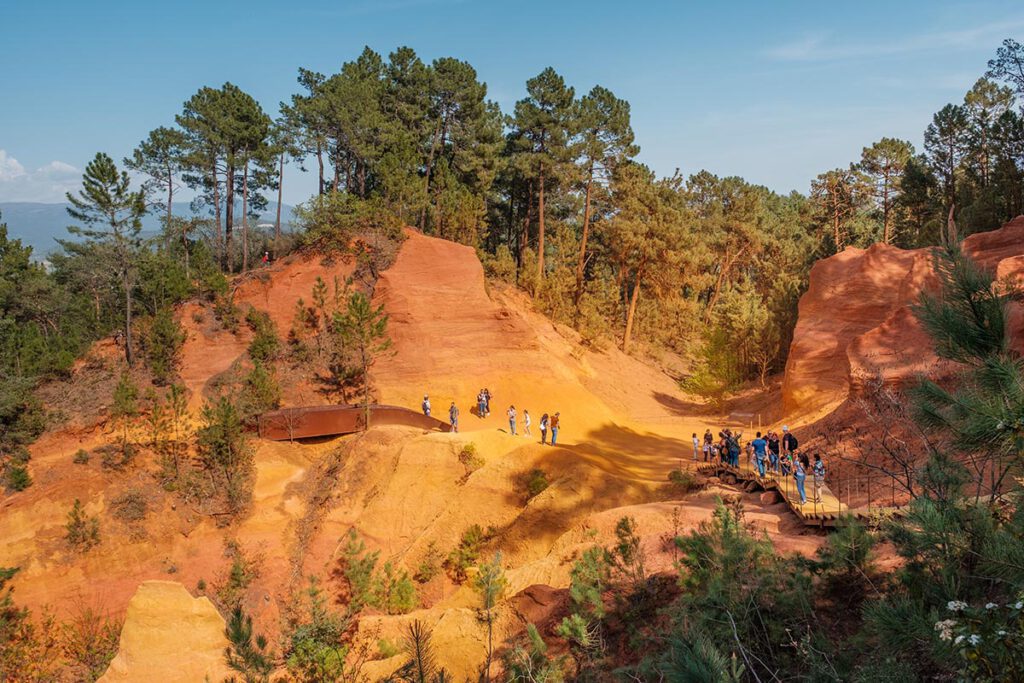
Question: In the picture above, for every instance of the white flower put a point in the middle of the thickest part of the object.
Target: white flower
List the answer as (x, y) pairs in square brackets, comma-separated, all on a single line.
[(975, 639), (1000, 633), (956, 606), (1018, 605), (959, 639), (991, 605), (945, 629)]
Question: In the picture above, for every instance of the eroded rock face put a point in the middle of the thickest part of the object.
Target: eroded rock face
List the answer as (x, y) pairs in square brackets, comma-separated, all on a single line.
[(169, 636), (855, 321)]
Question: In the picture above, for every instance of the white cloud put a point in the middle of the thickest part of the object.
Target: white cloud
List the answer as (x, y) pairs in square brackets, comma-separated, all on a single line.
[(823, 47), (48, 183)]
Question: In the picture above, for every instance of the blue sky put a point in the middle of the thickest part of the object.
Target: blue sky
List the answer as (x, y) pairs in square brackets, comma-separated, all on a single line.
[(773, 91)]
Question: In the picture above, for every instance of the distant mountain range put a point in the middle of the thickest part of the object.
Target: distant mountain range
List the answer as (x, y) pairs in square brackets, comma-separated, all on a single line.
[(40, 225)]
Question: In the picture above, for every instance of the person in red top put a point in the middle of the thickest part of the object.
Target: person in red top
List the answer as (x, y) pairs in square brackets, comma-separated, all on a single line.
[(554, 428)]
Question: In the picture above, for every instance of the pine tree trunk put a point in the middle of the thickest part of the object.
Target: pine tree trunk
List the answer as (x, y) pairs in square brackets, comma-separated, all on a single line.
[(170, 198), (426, 180), (540, 227), (245, 216), (583, 244), (886, 230), (129, 354), (626, 338), (277, 221), (525, 239), (216, 211), (320, 163), (229, 217)]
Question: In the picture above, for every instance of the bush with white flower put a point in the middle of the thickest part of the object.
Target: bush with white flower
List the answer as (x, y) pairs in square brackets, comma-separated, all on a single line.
[(989, 639)]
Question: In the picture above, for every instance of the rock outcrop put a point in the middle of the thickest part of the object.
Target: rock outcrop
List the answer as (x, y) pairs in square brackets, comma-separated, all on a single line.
[(169, 636), (855, 320)]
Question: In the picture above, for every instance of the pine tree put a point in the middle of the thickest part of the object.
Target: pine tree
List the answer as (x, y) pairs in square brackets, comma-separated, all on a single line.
[(543, 126), (160, 156), (112, 214), (490, 584), (945, 143), (883, 164), (363, 330)]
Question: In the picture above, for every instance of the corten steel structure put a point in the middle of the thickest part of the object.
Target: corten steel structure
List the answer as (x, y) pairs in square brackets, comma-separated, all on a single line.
[(302, 423)]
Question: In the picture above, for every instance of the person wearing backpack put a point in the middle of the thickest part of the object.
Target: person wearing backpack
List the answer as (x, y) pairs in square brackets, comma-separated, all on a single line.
[(733, 444), (544, 428)]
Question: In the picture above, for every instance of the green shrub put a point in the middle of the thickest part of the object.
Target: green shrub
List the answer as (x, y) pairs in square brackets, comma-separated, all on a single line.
[(430, 565), (81, 457), (225, 311), (117, 456), (396, 593), (82, 531), (162, 343), (265, 344), (467, 552), (536, 482), (387, 649), (501, 266), (18, 478), (261, 391), (683, 481), (470, 460)]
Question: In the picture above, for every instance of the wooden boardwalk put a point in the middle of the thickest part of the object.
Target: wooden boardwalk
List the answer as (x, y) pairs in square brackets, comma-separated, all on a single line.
[(823, 514)]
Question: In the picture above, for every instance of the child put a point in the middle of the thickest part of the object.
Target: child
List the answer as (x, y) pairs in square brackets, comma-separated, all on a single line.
[(526, 423)]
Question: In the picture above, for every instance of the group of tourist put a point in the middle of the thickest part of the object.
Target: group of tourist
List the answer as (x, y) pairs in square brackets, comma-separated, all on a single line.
[(768, 453), (483, 409)]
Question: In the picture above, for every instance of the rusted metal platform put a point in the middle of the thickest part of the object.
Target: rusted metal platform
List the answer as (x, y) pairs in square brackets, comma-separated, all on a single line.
[(308, 422)]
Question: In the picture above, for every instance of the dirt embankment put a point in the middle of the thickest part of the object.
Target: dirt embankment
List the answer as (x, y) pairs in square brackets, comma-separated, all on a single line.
[(625, 425), (856, 324)]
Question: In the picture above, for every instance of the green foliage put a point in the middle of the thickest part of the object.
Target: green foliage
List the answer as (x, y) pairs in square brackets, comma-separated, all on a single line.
[(265, 345), (358, 567), (90, 641), (81, 457), (421, 665), (466, 553), (315, 651), (224, 451), (82, 532), (361, 336), (683, 481), (336, 220), (536, 483), (430, 565), (17, 478), (530, 662), (261, 391), (395, 592), (490, 585), (470, 460), (162, 344), (246, 654), (243, 570)]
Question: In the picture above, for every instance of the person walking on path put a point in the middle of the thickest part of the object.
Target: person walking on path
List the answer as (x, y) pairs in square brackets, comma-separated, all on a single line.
[(526, 423), (773, 450), (554, 428), (819, 477), (487, 402), (481, 409), (512, 420), (426, 405), (800, 474), (544, 428), (696, 447), (760, 447), (453, 417)]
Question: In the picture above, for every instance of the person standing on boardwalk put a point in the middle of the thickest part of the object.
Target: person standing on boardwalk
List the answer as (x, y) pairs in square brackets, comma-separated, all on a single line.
[(453, 417), (800, 474), (544, 428), (819, 477), (760, 447), (789, 442), (554, 428), (526, 422), (773, 450), (426, 406), (511, 419)]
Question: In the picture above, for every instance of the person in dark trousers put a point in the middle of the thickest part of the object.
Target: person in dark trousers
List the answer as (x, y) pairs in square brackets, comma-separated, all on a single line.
[(487, 402), (760, 447), (773, 450), (554, 428), (426, 406), (511, 412), (480, 407), (453, 417), (544, 428), (789, 442)]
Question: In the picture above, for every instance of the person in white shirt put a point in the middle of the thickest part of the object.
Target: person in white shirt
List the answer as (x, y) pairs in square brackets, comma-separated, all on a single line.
[(696, 447), (526, 423)]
